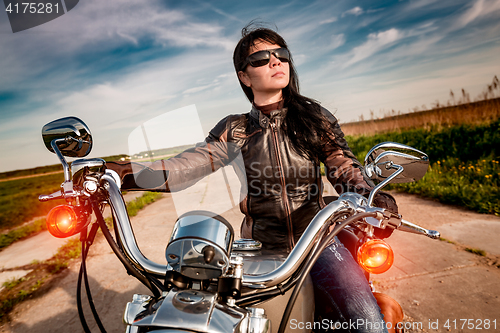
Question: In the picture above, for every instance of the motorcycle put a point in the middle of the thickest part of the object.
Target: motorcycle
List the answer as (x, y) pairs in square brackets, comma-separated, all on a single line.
[(211, 282)]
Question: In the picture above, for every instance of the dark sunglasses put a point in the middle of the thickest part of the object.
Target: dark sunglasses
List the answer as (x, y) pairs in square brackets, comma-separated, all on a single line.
[(262, 58)]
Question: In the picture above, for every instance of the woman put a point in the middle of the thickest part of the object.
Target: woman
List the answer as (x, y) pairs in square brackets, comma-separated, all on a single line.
[(282, 139)]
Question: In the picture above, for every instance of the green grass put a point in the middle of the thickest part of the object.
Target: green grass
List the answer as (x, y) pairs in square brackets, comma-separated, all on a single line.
[(478, 252), (19, 199), (19, 202), (474, 185), (48, 168), (72, 249), (464, 169), (464, 142), (60, 261), (33, 171), (9, 284), (38, 225), (133, 207), (7, 303), (446, 240), (22, 232)]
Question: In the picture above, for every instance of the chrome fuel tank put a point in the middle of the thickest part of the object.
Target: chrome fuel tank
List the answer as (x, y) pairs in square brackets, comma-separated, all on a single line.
[(264, 261), (191, 310)]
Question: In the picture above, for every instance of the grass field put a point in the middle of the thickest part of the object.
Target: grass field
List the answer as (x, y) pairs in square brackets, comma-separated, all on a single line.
[(465, 167), (45, 169), (19, 199), (473, 184), (471, 113), (29, 172)]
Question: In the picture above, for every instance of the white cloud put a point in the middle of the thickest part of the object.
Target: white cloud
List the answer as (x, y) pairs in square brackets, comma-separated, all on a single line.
[(426, 59), (478, 9), (101, 26), (356, 11), (299, 59), (362, 88), (138, 20), (375, 43), (112, 109), (327, 21), (337, 41), (222, 12), (417, 4)]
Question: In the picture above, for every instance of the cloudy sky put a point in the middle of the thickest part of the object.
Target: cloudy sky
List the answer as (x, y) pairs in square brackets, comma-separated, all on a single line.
[(116, 64)]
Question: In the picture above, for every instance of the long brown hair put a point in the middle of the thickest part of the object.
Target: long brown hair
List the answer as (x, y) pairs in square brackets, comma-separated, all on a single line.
[(304, 121)]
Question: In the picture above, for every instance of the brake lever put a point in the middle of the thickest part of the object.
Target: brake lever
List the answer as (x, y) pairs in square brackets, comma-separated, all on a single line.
[(48, 197), (416, 229), (68, 194), (396, 221)]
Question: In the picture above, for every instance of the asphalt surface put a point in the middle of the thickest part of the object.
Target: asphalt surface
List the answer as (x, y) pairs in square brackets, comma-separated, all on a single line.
[(440, 285), (436, 282)]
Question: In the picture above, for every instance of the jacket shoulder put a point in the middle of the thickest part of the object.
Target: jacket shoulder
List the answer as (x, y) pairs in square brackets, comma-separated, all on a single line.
[(227, 125), (328, 115)]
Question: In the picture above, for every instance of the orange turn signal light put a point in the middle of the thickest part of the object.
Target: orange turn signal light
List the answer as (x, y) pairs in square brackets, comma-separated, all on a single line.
[(64, 221), (375, 256)]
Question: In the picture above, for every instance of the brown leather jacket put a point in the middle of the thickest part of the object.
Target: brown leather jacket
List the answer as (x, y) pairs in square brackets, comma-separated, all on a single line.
[(284, 187)]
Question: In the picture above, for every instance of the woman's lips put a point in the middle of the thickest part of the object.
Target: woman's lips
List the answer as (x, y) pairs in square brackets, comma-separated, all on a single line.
[(278, 74)]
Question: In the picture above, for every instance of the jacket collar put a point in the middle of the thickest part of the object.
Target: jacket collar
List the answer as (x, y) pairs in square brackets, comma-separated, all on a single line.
[(276, 116)]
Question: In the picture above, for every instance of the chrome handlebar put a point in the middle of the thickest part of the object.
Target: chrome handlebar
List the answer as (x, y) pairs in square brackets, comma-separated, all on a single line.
[(125, 232), (301, 249), (293, 261), (266, 280)]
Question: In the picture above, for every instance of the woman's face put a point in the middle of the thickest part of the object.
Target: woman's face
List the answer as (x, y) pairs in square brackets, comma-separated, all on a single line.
[(267, 80)]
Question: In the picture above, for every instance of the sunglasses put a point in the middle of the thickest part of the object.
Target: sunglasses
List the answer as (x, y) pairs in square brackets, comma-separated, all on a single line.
[(262, 58)]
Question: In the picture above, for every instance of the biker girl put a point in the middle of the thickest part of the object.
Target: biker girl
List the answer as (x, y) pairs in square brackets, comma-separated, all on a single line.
[(288, 132)]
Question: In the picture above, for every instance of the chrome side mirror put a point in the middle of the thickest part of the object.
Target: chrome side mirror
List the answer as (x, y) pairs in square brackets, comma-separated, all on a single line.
[(384, 158), (72, 137), (391, 162), (69, 137)]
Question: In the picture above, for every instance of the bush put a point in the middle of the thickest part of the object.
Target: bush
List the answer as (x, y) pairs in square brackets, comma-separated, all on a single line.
[(465, 142), (464, 166)]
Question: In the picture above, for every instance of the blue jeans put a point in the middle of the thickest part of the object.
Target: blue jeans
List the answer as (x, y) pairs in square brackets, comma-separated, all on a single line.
[(342, 292)]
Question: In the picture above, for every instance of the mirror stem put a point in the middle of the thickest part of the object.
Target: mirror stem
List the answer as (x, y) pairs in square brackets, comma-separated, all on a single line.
[(53, 144), (398, 168)]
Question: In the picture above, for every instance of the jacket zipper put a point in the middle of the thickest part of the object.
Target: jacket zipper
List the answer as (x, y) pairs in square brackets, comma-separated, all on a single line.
[(283, 186)]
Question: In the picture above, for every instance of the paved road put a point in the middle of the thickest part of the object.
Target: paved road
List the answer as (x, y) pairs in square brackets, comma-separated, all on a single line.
[(433, 280), (437, 282)]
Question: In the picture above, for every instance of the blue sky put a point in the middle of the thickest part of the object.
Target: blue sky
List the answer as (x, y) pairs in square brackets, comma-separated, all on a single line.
[(116, 64)]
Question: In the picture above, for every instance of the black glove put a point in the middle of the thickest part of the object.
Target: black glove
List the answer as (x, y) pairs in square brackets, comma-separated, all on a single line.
[(386, 201), (144, 178)]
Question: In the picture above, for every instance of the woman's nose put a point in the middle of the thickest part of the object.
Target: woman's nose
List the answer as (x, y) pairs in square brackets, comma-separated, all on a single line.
[(274, 61)]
